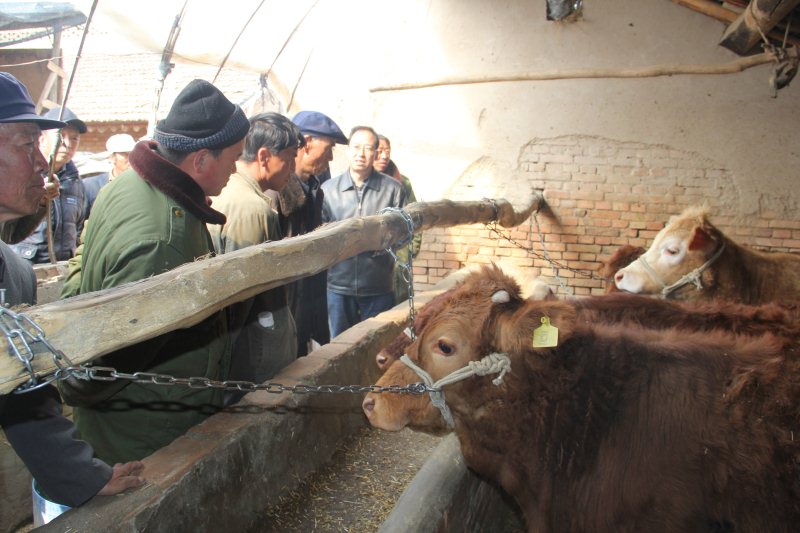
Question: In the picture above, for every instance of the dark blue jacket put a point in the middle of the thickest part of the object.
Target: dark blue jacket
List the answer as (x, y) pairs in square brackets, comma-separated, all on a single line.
[(67, 217), (92, 186)]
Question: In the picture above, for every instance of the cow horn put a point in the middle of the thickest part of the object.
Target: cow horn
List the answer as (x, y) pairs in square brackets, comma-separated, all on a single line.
[(501, 297)]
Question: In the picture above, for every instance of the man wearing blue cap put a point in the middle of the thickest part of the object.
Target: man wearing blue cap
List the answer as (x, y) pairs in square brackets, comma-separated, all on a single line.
[(299, 207), (67, 209), (149, 220), (63, 466)]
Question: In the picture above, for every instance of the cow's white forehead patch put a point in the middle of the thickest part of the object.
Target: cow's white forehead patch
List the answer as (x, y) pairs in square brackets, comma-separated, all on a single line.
[(501, 297)]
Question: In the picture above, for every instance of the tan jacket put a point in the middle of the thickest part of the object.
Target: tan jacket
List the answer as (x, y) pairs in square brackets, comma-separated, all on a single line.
[(263, 329)]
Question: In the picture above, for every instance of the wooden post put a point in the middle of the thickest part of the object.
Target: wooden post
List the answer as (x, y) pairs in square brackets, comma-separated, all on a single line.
[(90, 325), (758, 18)]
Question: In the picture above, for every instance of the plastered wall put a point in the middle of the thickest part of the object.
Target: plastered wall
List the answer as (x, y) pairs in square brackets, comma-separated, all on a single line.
[(614, 157)]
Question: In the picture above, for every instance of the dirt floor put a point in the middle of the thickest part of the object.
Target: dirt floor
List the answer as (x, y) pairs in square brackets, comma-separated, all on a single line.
[(358, 489)]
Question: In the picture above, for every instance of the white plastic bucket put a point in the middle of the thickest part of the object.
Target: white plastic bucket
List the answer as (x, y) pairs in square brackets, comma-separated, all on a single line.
[(44, 510)]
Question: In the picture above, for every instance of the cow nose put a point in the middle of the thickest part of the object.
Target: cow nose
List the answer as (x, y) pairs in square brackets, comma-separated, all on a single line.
[(618, 277), (381, 360), (368, 405)]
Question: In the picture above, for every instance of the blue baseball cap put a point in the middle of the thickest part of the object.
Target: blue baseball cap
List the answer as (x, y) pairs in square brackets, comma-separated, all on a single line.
[(316, 123), (67, 116), (16, 104)]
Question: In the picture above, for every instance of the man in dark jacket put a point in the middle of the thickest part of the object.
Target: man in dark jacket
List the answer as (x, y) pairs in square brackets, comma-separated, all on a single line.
[(360, 287), (63, 466), (299, 207), (67, 209)]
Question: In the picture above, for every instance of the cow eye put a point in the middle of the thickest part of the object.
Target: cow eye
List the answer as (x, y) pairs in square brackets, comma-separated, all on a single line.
[(671, 250), (444, 348)]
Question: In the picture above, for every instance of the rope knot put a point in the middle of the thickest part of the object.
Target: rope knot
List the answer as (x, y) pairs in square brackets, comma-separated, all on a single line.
[(494, 363)]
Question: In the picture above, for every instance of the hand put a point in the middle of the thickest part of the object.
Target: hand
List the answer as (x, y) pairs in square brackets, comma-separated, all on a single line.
[(51, 192), (124, 476)]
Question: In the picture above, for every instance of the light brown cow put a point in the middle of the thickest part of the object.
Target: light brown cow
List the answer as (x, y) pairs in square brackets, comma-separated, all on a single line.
[(618, 427), (622, 257), (690, 259)]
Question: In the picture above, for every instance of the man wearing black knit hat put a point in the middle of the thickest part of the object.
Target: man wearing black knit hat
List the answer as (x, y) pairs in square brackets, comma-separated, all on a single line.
[(149, 220)]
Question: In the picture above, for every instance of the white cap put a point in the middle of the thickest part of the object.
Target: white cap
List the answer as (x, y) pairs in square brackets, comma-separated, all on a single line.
[(121, 142)]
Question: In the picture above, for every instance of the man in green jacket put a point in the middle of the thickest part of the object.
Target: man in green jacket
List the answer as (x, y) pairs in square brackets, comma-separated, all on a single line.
[(149, 220)]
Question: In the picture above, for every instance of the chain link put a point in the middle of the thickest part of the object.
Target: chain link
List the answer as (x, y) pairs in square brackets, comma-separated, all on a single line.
[(105, 373), (26, 339), (406, 268), (493, 228)]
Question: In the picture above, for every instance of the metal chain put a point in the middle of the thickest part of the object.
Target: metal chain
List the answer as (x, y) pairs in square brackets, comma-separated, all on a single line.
[(493, 228), (406, 268), (105, 373), (24, 335)]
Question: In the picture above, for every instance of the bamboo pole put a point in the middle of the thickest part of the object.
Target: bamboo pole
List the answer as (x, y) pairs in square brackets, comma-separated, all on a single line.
[(88, 326)]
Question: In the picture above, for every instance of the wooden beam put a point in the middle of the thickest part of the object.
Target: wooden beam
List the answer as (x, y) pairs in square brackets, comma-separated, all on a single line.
[(716, 11), (738, 65), (90, 325), (758, 18), (712, 9)]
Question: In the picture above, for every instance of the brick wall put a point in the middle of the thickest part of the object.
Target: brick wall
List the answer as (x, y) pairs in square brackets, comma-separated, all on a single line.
[(94, 140), (605, 194)]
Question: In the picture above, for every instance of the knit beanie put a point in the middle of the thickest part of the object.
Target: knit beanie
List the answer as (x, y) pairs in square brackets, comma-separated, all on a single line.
[(201, 117)]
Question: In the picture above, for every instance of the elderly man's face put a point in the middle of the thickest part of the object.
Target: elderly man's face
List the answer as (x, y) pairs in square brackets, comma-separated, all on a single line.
[(22, 170), (70, 141), (317, 153)]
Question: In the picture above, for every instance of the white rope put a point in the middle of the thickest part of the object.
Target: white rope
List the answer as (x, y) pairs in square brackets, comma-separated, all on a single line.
[(692, 277), (494, 363)]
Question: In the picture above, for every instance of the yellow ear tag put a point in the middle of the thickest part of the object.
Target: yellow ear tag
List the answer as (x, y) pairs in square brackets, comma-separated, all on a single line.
[(545, 336)]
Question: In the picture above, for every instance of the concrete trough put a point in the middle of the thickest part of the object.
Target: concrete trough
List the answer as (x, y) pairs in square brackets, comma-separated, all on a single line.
[(223, 473)]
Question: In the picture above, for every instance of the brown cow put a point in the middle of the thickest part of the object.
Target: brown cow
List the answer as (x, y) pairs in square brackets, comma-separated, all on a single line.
[(393, 412), (690, 259), (535, 288), (620, 428), (622, 257)]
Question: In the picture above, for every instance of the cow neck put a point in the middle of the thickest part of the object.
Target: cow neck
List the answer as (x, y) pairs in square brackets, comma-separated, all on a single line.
[(691, 277), (494, 363)]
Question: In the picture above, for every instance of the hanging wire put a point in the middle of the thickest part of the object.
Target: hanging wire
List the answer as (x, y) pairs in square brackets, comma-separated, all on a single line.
[(225, 59)]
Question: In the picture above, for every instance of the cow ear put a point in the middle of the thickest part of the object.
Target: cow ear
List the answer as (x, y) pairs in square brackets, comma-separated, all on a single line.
[(701, 240), (516, 329)]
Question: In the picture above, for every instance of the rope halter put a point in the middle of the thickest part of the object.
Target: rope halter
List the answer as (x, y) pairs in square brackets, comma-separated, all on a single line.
[(692, 277), (494, 363)]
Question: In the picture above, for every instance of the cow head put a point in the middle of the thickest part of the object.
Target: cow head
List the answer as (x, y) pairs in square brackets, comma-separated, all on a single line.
[(480, 316), (686, 243), (622, 257)]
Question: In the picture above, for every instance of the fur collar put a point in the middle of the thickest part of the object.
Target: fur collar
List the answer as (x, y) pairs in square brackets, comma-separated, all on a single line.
[(173, 182)]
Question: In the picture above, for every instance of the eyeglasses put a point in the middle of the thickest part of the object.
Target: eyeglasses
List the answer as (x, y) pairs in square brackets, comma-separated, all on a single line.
[(367, 149)]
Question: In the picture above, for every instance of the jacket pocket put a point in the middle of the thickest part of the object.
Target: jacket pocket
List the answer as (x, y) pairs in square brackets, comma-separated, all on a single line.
[(28, 251)]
